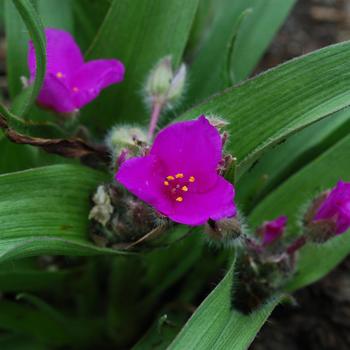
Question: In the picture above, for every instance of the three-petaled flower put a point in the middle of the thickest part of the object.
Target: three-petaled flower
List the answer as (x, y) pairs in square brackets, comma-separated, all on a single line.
[(179, 176), (336, 208), (70, 83)]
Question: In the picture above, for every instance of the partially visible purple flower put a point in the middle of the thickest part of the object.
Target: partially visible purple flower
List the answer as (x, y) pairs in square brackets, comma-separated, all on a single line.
[(69, 82), (272, 230), (179, 177), (336, 207)]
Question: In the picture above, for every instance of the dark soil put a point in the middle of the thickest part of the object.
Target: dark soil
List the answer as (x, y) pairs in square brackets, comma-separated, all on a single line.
[(321, 318)]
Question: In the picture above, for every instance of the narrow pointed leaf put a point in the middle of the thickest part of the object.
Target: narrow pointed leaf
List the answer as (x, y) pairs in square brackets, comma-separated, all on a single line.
[(139, 33), (266, 110), (215, 325), (36, 31)]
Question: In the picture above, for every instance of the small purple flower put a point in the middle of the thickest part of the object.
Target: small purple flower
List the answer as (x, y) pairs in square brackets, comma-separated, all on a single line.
[(69, 82), (336, 207), (179, 177), (270, 231)]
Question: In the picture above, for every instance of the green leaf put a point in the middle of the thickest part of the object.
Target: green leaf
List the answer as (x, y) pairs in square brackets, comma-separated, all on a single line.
[(291, 199), (36, 31), (256, 34), (285, 159), (47, 325), (215, 325), (25, 276), (45, 211), (139, 33), (208, 72), (88, 16), (28, 321), (18, 342), (265, 110), (231, 47), (17, 45), (56, 13)]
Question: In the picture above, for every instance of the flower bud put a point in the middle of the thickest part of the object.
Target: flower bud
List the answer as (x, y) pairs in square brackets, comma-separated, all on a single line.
[(160, 78), (125, 137), (102, 210), (329, 214), (225, 230), (164, 87), (125, 141), (177, 84), (272, 230)]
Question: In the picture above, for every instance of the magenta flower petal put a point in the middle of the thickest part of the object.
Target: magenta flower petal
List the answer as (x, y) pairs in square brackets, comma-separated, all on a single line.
[(80, 82), (183, 185), (198, 208), (94, 76), (272, 230), (63, 54), (337, 207), (194, 147), (53, 95), (143, 177)]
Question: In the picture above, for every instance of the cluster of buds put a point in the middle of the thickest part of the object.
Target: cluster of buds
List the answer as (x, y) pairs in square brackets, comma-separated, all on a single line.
[(118, 219), (264, 263), (164, 87)]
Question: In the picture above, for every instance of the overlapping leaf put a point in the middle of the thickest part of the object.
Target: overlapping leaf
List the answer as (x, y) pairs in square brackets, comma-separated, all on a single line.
[(45, 211), (265, 110)]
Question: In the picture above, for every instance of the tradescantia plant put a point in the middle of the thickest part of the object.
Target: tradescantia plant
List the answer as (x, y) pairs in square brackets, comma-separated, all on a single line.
[(123, 196)]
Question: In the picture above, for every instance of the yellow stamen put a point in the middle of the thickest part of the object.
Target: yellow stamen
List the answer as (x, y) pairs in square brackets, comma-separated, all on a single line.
[(166, 183), (179, 199), (191, 179), (170, 177), (75, 89), (59, 75), (179, 176), (184, 188)]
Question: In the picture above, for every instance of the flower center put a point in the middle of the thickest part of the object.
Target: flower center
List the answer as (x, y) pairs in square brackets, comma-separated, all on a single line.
[(178, 185)]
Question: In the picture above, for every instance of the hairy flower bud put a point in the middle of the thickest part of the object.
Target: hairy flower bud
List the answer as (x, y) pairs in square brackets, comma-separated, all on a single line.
[(272, 230), (177, 84), (160, 78), (165, 87), (226, 230), (329, 214), (125, 141), (126, 136)]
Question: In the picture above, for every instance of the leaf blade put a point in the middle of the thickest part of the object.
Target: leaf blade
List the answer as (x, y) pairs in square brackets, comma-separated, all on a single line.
[(143, 33), (37, 217), (36, 31)]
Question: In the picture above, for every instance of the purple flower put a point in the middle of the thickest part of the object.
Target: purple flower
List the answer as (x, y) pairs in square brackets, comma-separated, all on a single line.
[(272, 230), (336, 207), (69, 82), (179, 177)]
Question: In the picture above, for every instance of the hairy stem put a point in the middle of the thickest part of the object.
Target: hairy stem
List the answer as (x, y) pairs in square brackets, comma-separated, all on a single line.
[(156, 111)]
